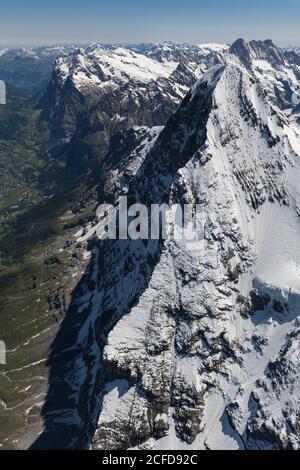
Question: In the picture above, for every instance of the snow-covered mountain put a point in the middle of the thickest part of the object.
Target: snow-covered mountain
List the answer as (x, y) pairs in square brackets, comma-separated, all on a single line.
[(290, 49), (171, 348), (279, 75), (99, 90), (292, 54), (109, 87), (119, 65), (168, 51)]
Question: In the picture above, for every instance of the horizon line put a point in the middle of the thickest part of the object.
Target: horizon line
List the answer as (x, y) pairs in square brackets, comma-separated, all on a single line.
[(33, 45)]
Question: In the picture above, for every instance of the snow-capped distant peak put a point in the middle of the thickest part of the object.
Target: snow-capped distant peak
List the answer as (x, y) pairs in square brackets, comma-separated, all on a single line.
[(213, 47)]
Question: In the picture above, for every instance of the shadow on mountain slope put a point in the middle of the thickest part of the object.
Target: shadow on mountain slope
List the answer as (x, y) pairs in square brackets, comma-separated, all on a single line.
[(117, 276)]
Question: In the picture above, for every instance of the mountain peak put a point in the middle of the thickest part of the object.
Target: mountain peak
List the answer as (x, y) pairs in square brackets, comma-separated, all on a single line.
[(238, 46), (257, 50)]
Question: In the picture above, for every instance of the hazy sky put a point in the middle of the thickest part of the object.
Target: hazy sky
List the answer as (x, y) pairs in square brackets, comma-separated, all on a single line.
[(56, 21)]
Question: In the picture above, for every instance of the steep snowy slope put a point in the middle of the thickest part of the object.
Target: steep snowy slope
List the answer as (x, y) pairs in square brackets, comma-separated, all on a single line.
[(175, 345), (209, 352)]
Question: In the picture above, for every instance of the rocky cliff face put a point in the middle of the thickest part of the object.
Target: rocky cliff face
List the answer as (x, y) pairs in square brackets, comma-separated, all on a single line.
[(173, 345)]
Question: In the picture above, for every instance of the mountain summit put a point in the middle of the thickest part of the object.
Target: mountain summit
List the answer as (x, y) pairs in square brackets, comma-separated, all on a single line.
[(260, 50)]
